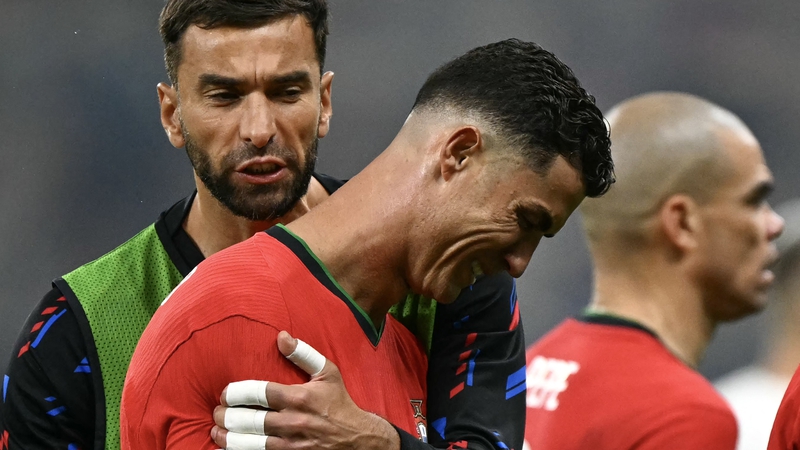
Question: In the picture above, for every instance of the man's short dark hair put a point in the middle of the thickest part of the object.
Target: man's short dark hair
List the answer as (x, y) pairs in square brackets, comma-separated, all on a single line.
[(535, 103), (178, 15)]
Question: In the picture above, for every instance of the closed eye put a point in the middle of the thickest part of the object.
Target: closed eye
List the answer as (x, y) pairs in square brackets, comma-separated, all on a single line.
[(224, 96), (524, 223)]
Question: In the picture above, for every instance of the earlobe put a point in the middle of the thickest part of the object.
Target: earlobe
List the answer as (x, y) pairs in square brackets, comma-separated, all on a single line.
[(462, 146), (326, 110), (170, 114), (679, 221)]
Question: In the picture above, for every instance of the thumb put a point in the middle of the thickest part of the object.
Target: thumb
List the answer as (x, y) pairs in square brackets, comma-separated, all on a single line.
[(304, 356)]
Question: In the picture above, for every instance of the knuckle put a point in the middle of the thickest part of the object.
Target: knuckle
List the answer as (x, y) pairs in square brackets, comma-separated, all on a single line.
[(302, 399)]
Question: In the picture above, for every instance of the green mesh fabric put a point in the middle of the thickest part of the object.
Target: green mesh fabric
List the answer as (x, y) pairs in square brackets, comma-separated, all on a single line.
[(119, 293), (417, 313)]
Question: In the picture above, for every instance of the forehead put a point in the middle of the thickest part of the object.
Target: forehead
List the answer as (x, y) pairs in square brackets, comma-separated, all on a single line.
[(285, 45), (746, 160)]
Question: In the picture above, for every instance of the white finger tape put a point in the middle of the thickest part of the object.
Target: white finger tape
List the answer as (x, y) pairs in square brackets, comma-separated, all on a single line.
[(248, 392), (307, 358), (236, 441), (245, 420)]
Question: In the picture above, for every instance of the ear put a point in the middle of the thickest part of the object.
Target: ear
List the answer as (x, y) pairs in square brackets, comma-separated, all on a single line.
[(680, 221), (170, 114), (326, 111), (461, 148)]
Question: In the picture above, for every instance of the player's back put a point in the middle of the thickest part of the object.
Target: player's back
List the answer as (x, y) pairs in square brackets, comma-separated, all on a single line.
[(220, 325), (613, 385)]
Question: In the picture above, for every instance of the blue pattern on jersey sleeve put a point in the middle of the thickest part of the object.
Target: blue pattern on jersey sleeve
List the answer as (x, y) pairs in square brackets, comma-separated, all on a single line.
[(471, 365), (513, 296), (439, 425), (5, 387), (46, 327), (83, 367), (57, 410), (515, 383)]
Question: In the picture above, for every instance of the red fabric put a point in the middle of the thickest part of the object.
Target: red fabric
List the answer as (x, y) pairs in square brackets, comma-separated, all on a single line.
[(220, 325), (786, 429), (613, 387)]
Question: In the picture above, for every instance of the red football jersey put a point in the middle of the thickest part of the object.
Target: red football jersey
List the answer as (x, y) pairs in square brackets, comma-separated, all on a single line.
[(220, 325), (615, 386), (786, 429)]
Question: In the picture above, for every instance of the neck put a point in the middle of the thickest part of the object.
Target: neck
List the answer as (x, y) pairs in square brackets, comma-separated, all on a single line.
[(360, 237), (213, 227), (659, 298)]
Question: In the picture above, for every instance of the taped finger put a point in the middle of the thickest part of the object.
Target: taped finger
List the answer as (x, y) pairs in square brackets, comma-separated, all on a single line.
[(236, 441), (248, 392), (307, 358), (245, 420)]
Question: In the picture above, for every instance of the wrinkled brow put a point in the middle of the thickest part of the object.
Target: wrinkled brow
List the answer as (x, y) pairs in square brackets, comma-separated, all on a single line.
[(212, 79)]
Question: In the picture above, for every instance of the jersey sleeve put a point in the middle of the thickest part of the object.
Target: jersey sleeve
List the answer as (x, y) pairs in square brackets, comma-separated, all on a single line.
[(476, 370), (48, 398), (176, 412), (786, 429), (693, 428)]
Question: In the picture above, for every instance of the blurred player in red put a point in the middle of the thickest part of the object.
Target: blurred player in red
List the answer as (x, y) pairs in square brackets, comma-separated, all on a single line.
[(755, 391), (683, 242), (786, 427)]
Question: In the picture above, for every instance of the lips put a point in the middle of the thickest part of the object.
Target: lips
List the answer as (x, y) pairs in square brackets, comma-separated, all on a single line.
[(262, 170), (767, 274), (260, 166)]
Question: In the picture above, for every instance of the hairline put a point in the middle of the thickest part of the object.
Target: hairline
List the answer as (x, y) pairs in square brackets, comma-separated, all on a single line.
[(178, 44)]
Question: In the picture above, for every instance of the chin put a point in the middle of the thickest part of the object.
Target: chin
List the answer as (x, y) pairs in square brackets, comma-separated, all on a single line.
[(449, 295), (743, 306)]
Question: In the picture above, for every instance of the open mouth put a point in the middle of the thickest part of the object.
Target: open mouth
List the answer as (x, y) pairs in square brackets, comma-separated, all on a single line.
[(261, 169)]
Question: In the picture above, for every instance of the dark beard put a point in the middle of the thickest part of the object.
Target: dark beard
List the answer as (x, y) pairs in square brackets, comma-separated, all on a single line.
[(255, 202)]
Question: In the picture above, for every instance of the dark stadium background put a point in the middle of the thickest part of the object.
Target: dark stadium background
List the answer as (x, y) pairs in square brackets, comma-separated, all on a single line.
[(85, 163)]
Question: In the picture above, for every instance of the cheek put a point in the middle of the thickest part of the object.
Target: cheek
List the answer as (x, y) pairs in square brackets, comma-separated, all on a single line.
[(209, 129), (300, 120)]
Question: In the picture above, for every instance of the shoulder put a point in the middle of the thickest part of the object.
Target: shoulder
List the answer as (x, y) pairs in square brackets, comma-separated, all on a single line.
[(233, 271), (132, 251), (237, 281)]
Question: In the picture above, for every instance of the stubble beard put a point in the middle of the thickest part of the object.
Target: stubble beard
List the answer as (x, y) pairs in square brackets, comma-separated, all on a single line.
[(254, 202)]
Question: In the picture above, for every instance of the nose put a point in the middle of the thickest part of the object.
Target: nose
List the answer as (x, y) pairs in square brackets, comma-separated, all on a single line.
[(257, 125), (775, 225), (519, 256)]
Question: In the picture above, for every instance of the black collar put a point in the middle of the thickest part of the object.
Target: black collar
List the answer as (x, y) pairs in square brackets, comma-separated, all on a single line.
[(615, 321)]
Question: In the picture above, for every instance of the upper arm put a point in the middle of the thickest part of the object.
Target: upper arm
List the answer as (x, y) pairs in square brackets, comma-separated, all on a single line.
[(177, 411), (48, 390), (476, 371)]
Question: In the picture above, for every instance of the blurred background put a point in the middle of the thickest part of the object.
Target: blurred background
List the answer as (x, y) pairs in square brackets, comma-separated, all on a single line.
[(86, 165)]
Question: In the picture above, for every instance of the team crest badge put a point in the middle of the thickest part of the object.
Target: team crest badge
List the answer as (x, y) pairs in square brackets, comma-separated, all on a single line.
[(421, 422)]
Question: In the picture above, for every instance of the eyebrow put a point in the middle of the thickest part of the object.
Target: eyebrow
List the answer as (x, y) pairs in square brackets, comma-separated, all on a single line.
[(216, 80), (212, 79), (298, 76)]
